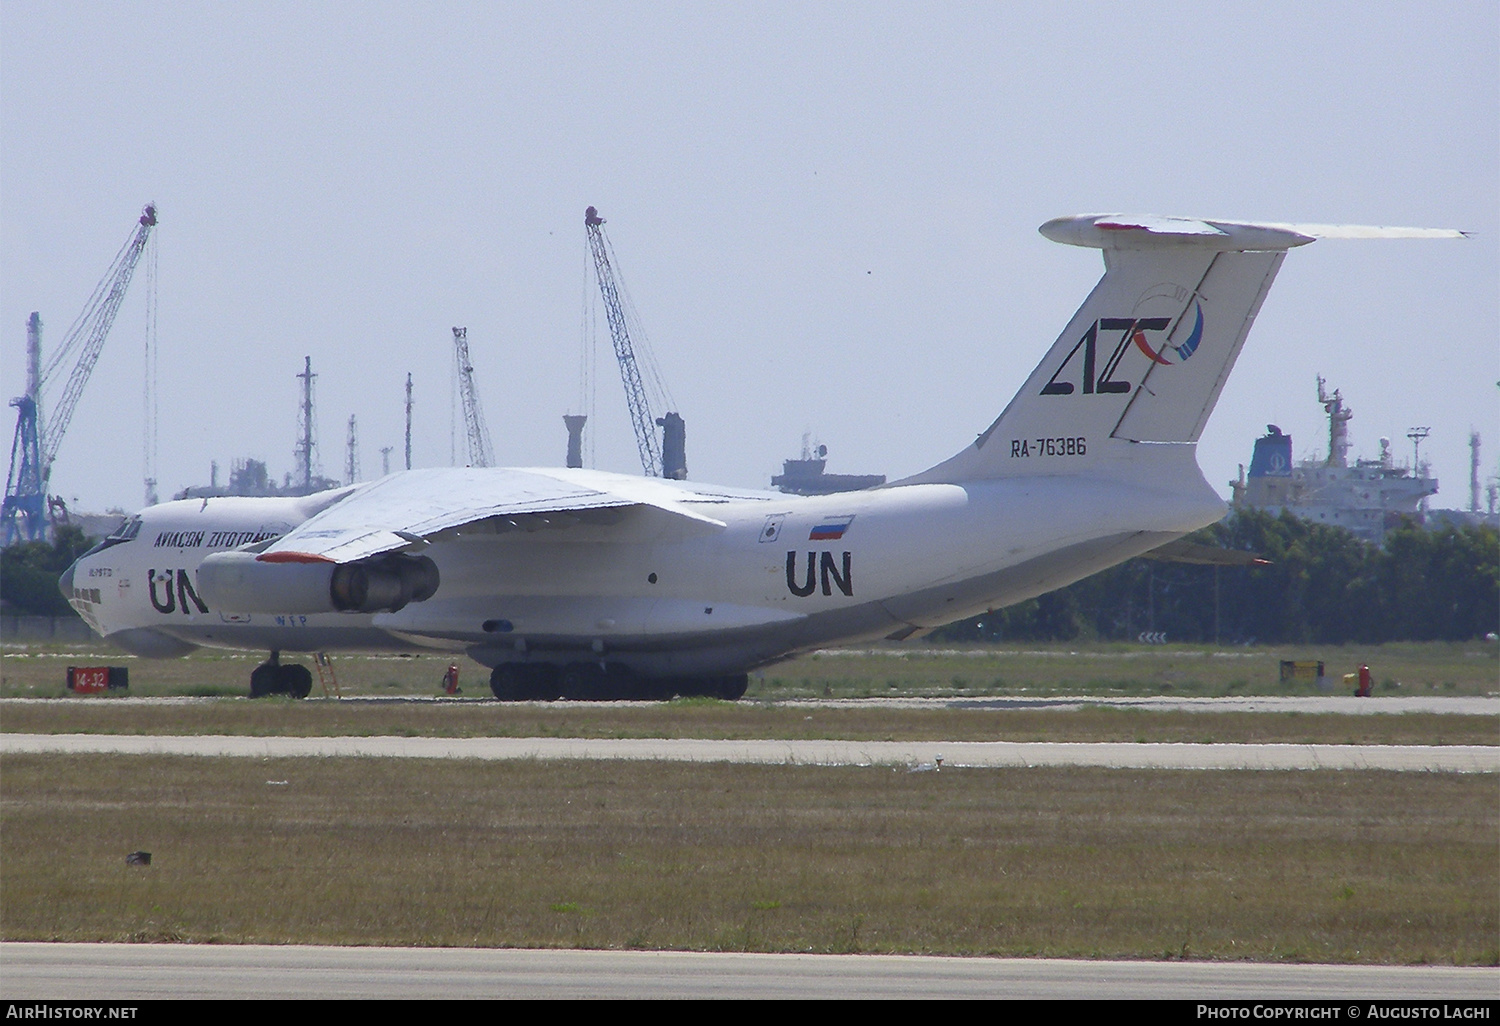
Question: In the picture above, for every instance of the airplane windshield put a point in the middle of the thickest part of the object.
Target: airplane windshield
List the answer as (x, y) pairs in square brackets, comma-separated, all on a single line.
[(119, 536)]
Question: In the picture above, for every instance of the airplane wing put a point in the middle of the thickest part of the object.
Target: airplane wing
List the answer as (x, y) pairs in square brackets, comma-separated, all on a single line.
[(404, 509)]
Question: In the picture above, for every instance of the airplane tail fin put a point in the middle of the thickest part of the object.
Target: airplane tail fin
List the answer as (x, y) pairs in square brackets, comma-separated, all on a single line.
[(1145, 357)]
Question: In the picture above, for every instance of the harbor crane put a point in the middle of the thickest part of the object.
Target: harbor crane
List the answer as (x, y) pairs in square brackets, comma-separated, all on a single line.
[(37, 439), (665, 458), (481, 451)]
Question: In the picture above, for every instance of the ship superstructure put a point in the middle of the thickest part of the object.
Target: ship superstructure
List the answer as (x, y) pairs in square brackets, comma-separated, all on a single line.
[(1369, 497), (808, 476)]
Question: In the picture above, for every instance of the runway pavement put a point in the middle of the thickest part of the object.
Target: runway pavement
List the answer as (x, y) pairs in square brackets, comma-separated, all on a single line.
[(1345, 705), (126, 972), (922, 754)]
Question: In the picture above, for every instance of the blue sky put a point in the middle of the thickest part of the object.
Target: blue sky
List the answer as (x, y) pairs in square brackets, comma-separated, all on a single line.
[(825, 215)]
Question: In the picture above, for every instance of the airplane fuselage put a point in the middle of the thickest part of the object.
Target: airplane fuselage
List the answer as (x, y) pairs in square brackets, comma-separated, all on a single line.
[(785, 574)]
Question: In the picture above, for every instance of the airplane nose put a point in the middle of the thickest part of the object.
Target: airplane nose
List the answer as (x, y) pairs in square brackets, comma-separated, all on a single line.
[(65, 582)]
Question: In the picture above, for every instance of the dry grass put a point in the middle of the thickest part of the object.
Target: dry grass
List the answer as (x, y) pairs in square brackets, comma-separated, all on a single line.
[(709, 719), (1471, 668), (1343, 867)]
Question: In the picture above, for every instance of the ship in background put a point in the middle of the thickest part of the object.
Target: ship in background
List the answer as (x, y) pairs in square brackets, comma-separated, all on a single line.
[(249, 476), (1368, 498), (808, 476)]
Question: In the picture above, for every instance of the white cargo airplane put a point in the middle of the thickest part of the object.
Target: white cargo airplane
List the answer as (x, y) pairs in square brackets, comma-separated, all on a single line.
[(586, 584)]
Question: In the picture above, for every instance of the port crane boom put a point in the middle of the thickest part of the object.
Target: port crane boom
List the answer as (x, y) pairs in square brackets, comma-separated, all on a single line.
[(657, 460), (36, 442), (481, 450)]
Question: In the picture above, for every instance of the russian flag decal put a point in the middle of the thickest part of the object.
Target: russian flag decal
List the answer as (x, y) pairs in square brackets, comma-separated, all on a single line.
[(831, 529)]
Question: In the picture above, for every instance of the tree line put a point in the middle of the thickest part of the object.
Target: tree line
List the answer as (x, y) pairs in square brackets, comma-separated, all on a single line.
[(29, 572), (1322, 586)]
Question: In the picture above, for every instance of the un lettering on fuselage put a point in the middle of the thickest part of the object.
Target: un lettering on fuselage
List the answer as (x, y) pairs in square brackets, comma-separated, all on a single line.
[(168, 600), (833, 573)]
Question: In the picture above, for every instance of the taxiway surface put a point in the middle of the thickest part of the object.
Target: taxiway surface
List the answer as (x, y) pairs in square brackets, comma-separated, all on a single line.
[(124, 972), (1345, 705), (933, 754)]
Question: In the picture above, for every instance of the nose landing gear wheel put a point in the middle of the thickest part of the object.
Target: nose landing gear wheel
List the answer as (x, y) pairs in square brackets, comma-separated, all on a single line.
[(296, 680), (273, 678), (265, 679)]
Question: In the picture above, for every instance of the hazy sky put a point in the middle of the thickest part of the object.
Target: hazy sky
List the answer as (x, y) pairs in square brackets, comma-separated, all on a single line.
[(825, 214)]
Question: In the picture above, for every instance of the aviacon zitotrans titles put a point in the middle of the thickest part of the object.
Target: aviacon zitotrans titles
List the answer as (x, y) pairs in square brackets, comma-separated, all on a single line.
[(585, 584)]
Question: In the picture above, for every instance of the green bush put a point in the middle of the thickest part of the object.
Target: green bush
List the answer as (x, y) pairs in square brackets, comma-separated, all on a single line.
[(29, 572)]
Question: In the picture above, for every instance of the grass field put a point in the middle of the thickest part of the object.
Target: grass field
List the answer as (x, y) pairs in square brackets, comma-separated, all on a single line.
[(1330, 867), (1322, 866), (1471, 668)]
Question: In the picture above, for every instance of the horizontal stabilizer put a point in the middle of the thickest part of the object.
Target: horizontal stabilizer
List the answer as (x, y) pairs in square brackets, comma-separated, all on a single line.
[(1183, 551), (1368, 231), (1120, 231)]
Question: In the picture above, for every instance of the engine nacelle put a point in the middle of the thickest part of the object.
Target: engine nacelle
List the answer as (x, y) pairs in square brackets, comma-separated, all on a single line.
[(384, 585), (241, 582)]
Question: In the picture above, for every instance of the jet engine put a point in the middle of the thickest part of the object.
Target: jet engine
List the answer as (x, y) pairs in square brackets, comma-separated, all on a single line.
[(241, 582), (384, 585)]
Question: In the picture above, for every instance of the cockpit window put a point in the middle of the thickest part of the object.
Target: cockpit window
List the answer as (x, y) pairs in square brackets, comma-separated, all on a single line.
[(126, 531), (119, 536)]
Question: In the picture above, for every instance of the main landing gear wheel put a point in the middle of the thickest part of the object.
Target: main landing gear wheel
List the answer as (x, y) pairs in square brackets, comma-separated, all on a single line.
[(523, 682), (505, 682), (729, 688), (590, 682)]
